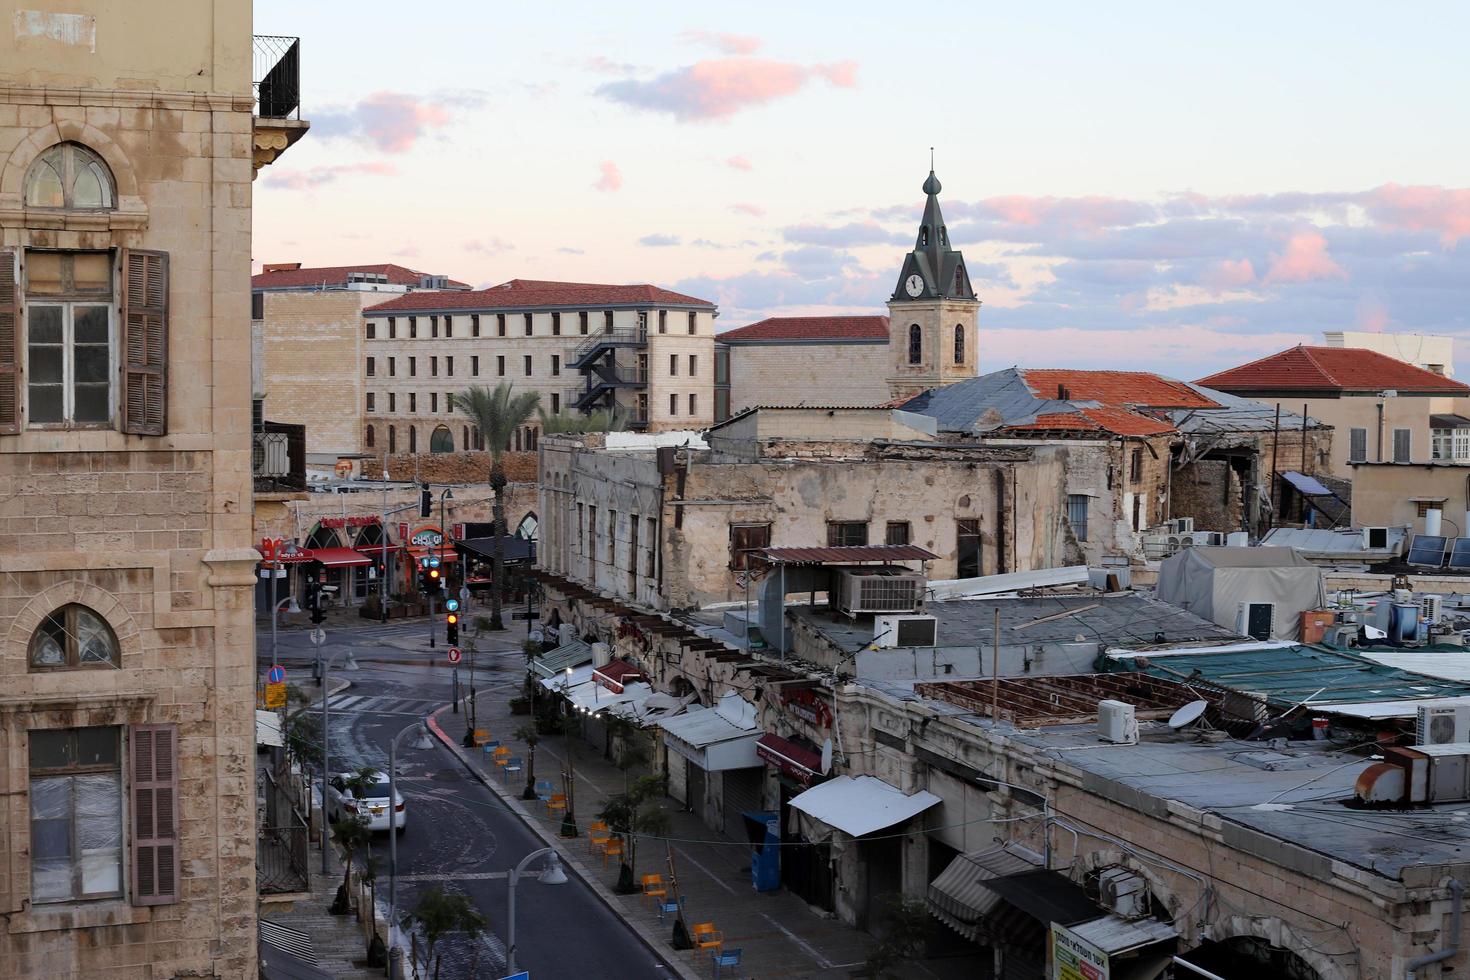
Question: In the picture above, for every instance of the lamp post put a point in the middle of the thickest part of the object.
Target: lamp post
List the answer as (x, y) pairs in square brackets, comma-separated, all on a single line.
[(422, 742), (291, 607), (438, 555), (553, 875), (569, 820), (327, 737)]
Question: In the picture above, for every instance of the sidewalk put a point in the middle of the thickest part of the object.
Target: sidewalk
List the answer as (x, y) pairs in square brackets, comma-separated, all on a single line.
[(339, 941), (780, 936)]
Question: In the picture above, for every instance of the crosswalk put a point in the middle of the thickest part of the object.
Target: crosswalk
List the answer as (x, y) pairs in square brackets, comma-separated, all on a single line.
[(364, 704)]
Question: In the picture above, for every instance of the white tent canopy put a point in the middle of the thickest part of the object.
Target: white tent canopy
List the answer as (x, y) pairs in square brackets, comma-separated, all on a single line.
[(1215, 583)]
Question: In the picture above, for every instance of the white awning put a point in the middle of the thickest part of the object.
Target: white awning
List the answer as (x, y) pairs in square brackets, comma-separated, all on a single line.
[(1116, 935), (652, 709), (268, 728), (593, 697), (715, 739), (579, 675), (861, 805)]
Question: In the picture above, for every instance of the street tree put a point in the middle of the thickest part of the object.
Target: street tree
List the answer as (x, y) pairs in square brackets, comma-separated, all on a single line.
[(439, 913), (498, 413), (636, 812), (352, 834), (529, 734)]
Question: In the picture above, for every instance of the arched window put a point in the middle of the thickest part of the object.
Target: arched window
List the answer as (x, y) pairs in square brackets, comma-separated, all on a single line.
[(923, 235), (368, 437), (413, 439), (959, 343), (69, 176), (323, 537), (392, 439), (441, 440), (943, 235), (73, 636), (916, 344), (527, 528)]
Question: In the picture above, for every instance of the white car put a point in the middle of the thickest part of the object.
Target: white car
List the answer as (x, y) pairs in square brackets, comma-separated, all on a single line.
[(373, 805)]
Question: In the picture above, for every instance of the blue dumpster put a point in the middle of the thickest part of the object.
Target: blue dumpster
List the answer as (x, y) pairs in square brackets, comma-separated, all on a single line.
[(763, 827)]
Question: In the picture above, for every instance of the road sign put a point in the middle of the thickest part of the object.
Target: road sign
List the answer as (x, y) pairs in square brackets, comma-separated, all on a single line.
[(523, 975), (456, 531), (276, 675), (464, 593), (454, 655), (318, 636), (275, 695)]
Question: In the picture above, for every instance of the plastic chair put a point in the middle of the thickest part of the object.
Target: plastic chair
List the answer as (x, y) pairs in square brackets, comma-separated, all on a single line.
[(667, 908), (502, 755), (543, 789), (704, 935), (513, 764), (654, 887), (556, 801), (725, 957), (489, 746), (612, 847), (597, 834), (482, 735)]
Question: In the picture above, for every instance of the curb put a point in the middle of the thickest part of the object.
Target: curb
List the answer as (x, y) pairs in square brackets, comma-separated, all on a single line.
[(654, 941)]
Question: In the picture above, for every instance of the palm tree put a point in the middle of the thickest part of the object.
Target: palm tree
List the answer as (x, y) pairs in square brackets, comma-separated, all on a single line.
[(497, 413)]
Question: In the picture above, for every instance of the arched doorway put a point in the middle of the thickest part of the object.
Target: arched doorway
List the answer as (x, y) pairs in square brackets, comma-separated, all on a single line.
[(1244, 956), (441, 440), (320, 537), (368, 578)]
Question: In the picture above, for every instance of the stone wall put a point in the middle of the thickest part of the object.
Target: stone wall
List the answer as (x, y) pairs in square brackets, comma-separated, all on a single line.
[(520, 467), (311, 348), (808, 373)]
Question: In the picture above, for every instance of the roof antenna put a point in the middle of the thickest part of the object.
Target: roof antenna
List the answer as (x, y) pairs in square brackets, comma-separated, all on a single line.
[(931, 158)]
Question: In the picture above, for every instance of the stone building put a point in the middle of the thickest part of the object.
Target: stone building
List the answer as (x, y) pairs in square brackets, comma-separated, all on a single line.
[(643, 351), (128, 137), (308, 327)]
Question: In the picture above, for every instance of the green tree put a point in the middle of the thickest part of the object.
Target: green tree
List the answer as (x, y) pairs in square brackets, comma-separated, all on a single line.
[(636, 812), (352, 834), (904, 925), (572, 424), (439, 913), (498, 413)]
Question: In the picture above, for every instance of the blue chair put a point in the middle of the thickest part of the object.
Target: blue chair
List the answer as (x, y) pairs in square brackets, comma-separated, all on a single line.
[(667, 907), (489, 748), (513, 764), (544, 789), (725, 957)]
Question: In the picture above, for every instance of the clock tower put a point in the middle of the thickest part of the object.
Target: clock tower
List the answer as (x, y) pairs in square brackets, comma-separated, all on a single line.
[(933, 313)]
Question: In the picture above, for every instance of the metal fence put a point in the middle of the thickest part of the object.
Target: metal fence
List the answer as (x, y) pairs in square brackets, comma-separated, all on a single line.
[(276, 76), (282, 843), (278, 457)]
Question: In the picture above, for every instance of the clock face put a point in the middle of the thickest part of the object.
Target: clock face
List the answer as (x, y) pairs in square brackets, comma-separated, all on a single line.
[(914, 285)]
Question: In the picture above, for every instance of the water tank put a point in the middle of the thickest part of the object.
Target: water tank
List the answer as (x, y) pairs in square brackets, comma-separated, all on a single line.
[(1403, 623)]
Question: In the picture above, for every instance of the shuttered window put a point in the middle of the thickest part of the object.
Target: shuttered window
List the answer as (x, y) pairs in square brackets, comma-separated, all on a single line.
[(1402, 445), (9, 343), (1357, 445), (747, 538), (154, 782), (145, 343)]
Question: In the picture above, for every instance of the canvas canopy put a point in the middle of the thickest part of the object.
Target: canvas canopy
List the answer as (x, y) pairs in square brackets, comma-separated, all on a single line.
[(1215, 582)]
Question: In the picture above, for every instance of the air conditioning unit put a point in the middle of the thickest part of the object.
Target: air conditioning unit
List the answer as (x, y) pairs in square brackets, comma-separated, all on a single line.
[(1375, 538), (1442, 724), (1251, 706), (1123, 891), (1116, 722), (1256, 619), (1182, 525), (880, 590), (1431, 608), (1209, 539), (1188, 540), (905, 631)]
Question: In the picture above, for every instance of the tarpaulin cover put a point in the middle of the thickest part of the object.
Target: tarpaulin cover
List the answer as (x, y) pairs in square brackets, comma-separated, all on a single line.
[(1213, 582)]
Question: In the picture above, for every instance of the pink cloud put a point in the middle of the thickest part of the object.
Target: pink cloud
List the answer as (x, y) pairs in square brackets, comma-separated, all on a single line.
[(754, 210), (391, 121), (611, 178), (1435, 209), (1088, 214), (1304, 260), (1372, 316), (725, 43), (719, 88), (740, 163), (301, 180), (1229, 274)]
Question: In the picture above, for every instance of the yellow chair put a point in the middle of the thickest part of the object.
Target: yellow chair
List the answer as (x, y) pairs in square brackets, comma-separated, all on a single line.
[(557, 801), (502, 755), (704, 936), (654, 887), (613, 847), (597, 834)]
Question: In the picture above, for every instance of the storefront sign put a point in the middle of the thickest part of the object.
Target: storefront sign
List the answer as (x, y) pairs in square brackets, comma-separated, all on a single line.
[(370, 520), (775, 751), (1074, 958), (427, 537), (457, 531), (403, 530), (805, 704)]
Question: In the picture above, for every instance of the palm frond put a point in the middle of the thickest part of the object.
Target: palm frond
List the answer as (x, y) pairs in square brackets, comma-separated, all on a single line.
[(497, 412)]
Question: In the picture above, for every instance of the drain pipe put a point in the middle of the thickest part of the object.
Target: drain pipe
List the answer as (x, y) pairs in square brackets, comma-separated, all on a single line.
[(1452, 947)]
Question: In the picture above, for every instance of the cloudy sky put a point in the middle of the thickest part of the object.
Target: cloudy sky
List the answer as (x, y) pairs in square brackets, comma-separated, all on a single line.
[(1134, 185)]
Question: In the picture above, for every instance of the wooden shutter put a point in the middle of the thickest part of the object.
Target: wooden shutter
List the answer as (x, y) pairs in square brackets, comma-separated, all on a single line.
[(154, 784), (145, 343), (10, 341)]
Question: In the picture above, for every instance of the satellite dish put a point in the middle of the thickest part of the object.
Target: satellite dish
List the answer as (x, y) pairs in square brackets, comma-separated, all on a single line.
[(1188, 715)]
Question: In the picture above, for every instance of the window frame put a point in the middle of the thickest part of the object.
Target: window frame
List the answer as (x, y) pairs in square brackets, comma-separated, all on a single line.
[(1353, 437), (71, 654), (1408, 435), (70, 772), (959, 342), (838, 531), (68, 150), (916, 344), (1082, 502), (68, 298), (741, 551), (907, 534)]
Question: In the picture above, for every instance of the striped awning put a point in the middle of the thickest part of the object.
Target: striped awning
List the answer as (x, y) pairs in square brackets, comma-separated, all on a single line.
[(959, 898)]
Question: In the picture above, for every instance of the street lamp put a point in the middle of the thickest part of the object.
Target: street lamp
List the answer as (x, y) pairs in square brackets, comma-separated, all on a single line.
[(423, 741), (447, 494), (291, 607), (553, 875), (327, 736)]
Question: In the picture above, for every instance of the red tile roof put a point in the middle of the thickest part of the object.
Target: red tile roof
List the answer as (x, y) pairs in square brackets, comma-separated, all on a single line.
[(810, 328), (1331, 369), (528, 293), (290, 275), (1118, 421), (1116, 388)]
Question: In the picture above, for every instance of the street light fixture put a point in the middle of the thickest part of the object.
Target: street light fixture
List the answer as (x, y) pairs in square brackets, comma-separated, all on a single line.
[(421, 742), (327, 737), (553, 875)]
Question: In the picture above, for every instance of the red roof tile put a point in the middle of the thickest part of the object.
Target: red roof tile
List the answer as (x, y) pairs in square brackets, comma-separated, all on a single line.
[(1331, 369), (810, 328), (528, 293), (1118, 421), (1116, 388), (336, 275)]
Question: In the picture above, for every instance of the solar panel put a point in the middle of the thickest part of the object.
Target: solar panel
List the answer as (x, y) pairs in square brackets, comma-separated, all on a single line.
[(1460, 553), (1427, 549)]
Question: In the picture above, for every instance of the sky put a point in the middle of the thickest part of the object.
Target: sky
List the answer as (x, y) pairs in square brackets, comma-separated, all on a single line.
[(1163, 187)]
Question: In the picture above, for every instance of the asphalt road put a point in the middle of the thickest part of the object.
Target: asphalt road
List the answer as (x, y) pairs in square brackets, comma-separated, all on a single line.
[(459, 834)]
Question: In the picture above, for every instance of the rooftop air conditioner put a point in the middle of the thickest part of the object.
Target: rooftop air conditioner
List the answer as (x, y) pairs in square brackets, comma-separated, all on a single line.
[(1375, 538), (1116, 722), (1123, 891), (1431, 608), (1182, 525), (1256, 619), (1442, 725), (1209, 539), (880, 590), (905, 631)]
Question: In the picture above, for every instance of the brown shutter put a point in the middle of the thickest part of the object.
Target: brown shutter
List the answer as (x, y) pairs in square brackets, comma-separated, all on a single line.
[(145, 343), (154, 784), (10, 341)]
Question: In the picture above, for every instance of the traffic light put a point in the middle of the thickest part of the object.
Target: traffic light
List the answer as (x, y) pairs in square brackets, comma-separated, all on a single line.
[(451, 629), (314, 601)]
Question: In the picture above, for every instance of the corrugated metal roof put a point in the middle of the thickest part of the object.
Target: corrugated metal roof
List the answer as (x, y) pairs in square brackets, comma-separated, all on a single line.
[(1114, 934), (703, 726), (958, 897), (847, 553), (862, 804), (554, 662), (1332, 543), (1236, 414), (1445, 665)]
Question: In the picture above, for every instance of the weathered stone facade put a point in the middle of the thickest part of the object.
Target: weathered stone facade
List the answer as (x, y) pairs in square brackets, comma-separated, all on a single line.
[(138, 512)]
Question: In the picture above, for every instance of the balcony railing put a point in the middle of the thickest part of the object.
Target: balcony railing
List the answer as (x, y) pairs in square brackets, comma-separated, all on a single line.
[(281, 847), (276, 76), (278, 458)]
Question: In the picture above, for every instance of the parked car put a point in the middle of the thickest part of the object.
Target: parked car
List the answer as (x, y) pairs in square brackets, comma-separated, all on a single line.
[(373, 804)]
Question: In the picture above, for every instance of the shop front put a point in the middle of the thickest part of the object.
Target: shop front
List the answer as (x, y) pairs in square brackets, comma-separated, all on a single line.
[(712, 764)]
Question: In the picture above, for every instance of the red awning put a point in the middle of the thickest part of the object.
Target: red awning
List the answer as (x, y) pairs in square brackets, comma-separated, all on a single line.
[(802, 765), (338, 557), (615, 674)]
